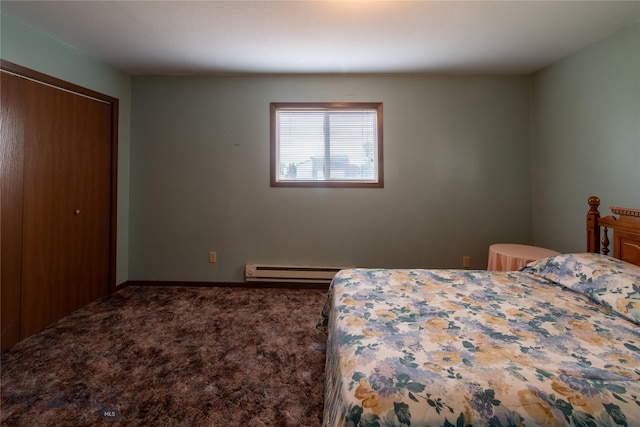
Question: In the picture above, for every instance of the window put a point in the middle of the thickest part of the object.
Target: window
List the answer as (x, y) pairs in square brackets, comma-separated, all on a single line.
[(326, 145)]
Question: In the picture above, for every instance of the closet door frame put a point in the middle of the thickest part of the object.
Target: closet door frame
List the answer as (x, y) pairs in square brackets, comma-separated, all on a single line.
[(36, 76)]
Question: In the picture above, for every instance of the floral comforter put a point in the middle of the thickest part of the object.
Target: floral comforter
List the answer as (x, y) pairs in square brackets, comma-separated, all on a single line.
[(475, 348)]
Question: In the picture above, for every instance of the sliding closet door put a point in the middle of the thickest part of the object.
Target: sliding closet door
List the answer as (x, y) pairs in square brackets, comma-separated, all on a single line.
[(65, 260), (11, 166), (58, 199)]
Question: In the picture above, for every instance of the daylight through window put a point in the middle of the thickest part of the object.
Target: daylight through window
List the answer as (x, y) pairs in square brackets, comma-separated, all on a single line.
[(326, 145)]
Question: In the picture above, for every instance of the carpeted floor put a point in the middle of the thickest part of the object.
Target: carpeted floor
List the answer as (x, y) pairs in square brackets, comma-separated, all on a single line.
[(173, 356)]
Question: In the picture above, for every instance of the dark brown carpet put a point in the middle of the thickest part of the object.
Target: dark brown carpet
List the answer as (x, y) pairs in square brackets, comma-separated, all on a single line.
[(172, 356)]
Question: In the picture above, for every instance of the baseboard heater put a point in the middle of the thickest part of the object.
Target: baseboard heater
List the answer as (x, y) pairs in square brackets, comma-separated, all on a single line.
[(289, 273)]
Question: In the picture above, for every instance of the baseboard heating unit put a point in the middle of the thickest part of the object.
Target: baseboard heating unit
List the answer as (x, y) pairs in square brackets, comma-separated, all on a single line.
[(289, 273)]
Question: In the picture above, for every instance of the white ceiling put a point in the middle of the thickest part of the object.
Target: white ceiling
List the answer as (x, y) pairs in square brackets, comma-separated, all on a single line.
[(339, 36)]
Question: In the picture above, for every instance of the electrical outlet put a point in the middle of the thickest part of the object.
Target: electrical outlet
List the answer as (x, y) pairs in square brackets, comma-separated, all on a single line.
[(466, 261), (212, 257)]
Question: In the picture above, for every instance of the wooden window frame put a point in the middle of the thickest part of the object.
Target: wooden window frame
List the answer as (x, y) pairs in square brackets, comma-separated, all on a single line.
[(275, 182)]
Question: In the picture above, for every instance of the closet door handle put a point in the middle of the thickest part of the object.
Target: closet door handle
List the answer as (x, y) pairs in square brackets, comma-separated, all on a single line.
[(76, 212)]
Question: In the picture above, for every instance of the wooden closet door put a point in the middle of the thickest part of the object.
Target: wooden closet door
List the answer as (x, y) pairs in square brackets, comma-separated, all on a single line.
[(11, 167), (66, 205)]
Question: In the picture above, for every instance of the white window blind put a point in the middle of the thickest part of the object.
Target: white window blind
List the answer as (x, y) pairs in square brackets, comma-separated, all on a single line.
[(315, 144)]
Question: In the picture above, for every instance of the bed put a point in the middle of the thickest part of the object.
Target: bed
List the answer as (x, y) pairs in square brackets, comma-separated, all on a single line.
[(556, 343)]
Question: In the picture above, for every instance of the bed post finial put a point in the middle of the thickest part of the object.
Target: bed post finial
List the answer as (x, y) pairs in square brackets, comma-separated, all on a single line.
[(593, 229)]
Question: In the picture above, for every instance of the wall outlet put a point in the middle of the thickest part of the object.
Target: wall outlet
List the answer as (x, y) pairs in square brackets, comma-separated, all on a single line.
[(466, 261), (213, 256)]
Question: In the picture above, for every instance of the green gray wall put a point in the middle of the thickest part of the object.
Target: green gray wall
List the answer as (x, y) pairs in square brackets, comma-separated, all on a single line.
[(586, 138), (469, 161), (24, 46), (457, 176)]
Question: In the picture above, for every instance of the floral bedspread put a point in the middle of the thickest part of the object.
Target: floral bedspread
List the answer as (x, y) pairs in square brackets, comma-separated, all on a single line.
[(475, 348)]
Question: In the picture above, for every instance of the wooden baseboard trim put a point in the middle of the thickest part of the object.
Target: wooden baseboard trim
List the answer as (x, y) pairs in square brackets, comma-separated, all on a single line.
[(222, 284)]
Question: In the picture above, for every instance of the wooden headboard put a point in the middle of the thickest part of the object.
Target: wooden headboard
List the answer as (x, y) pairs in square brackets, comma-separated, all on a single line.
[(626, 231)]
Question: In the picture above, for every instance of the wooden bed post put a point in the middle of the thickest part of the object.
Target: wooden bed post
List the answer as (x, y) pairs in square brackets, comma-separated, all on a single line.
[(593, 229)]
